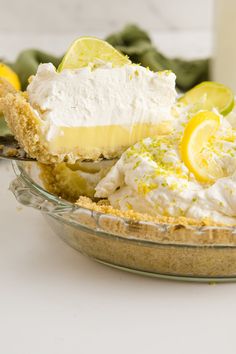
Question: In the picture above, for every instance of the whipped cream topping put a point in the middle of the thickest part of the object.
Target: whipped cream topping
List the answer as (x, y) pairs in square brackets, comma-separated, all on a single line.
[(100, 96), (150, 177)]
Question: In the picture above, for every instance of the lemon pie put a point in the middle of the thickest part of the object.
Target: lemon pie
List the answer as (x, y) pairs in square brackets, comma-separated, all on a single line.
[(188, 175)]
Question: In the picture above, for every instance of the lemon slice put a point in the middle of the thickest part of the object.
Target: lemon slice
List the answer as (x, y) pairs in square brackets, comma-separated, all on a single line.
[(196, 135), (87, 50), (8, 74), (208, 95)]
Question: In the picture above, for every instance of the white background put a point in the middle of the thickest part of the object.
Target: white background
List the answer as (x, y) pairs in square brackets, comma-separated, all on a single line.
[(56, 301), (183, 27), (63, 16)]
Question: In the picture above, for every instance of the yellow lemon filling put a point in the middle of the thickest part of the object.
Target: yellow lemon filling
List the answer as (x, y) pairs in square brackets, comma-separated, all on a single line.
[(109, 139)]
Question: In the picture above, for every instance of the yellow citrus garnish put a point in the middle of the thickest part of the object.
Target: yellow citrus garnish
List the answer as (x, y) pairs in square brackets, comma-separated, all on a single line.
[(8, 74), (209, 95), (197, 134), (86, 50)]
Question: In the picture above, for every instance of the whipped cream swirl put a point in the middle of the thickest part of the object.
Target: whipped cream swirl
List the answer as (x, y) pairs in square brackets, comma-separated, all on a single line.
[(150, 177)]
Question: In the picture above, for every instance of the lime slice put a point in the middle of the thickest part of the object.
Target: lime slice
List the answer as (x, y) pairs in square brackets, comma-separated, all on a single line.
[(197, 133), (86, 50), (209, 95)]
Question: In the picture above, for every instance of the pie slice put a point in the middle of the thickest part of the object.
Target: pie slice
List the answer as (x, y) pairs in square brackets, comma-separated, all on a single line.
[(92, 112)]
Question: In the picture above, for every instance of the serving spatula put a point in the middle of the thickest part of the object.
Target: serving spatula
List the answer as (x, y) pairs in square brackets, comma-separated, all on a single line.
[(10, 149)]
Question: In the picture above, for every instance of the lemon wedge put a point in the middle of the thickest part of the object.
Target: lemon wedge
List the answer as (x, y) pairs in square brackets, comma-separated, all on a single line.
[(86, 50), (209, 95), (196, 135), (7, 73)]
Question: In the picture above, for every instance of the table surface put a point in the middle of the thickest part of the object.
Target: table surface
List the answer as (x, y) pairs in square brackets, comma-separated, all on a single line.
[(55, 301)]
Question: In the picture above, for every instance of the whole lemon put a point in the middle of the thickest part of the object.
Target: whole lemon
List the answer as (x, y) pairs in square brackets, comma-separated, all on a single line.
[(7, 73)]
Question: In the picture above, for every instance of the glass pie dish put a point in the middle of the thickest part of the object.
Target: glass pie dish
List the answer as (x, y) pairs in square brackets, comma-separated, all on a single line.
[(196, 253)]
